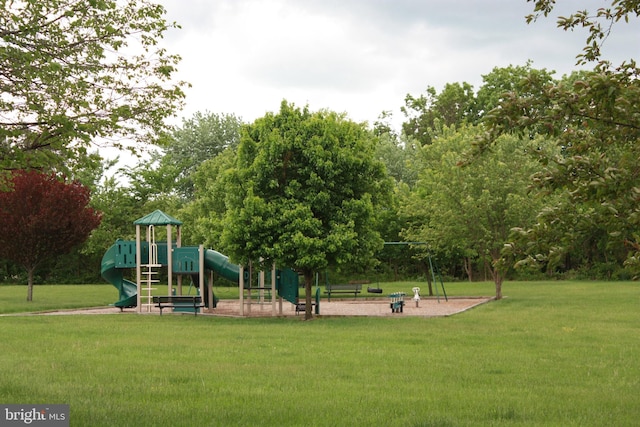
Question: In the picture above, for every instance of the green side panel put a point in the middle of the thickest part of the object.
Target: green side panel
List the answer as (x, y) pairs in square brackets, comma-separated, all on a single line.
[(162, 252), (288, 285), (125, 253), (186, 260)]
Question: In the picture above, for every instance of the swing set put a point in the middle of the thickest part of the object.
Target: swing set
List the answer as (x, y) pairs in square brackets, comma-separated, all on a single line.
[(435, 272)]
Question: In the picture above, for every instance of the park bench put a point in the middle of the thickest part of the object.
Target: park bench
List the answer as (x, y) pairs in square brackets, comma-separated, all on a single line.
[(315, 304), (301, 307), (397, 302), (178, 301), (350, 288)]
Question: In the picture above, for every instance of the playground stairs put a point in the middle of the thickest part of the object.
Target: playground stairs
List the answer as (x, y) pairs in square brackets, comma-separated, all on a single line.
[(149, 279)]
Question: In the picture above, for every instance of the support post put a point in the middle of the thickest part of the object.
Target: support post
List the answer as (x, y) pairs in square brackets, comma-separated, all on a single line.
[(201, 286), (241, 290), (249, 296), (169, 260), (261, 281), (210, 290), (273, 290), (138, 269), (179, 245)]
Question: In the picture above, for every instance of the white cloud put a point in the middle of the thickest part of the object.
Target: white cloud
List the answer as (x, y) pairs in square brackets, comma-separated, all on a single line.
[(359, 56)]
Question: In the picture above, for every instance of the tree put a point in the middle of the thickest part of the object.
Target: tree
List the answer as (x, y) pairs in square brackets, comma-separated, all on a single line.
[(304, 193), (503, 81), (454, 105), (42, 217), (468, 211), (396, 155), (599, 25), (75, 72), (200, 138), (206, 212), (457, 104), (593, 118)]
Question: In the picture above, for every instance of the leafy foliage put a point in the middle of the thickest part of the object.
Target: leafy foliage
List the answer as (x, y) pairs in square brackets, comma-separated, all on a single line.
[(454, 105), (205, 214), (41, 218), (593, 119), (304, 193), (599, 24), (458, 104), (202, 137), (466, 212), (75, 71)]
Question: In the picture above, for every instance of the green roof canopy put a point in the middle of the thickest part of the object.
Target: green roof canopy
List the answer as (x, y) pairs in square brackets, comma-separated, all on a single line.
[(157, 217)]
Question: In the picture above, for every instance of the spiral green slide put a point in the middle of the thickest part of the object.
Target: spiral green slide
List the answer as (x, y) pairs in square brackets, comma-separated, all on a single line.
[(127, 290)]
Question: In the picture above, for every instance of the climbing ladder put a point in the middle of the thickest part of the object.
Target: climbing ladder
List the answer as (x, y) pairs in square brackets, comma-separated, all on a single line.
[(150, 272)]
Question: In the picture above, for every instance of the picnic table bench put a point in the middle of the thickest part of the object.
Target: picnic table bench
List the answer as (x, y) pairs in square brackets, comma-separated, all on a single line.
[(349, 288), (182, 301)]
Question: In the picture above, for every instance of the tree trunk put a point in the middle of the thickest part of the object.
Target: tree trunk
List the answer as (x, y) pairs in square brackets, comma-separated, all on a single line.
[(498, 277), (498, 281), (30, 284), (308, 283), (468, 268)]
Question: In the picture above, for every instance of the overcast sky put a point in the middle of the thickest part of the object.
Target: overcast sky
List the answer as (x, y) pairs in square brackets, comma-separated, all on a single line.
[(361, 56)]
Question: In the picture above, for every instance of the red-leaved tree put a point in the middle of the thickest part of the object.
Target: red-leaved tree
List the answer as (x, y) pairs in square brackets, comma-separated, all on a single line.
[(42, 217)]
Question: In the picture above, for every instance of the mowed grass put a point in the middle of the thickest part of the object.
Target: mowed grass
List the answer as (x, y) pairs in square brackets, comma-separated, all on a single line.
[(549, 354), (13, 298)]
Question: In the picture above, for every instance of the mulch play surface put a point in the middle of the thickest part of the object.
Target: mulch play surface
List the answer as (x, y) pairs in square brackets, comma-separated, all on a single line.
[(377, 307)]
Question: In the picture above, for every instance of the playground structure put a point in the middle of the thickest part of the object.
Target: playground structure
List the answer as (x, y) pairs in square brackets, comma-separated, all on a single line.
[(150, 257)]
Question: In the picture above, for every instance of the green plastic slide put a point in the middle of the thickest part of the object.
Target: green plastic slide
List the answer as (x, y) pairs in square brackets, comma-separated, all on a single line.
[(127, 290)]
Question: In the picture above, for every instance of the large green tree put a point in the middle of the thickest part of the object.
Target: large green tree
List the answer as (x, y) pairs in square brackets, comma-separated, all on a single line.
[(468, 211), (304, 193), (76, 72), (594, 118)]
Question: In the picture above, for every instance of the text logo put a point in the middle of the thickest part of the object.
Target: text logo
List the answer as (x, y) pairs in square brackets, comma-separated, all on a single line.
[(34, 415)]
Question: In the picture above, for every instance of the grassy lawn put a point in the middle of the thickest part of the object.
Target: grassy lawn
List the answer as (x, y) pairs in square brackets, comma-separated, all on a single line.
[(13, 298), (550, 354)]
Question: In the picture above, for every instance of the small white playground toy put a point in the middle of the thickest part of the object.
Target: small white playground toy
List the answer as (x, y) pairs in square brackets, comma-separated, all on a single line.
[(416, 295)]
